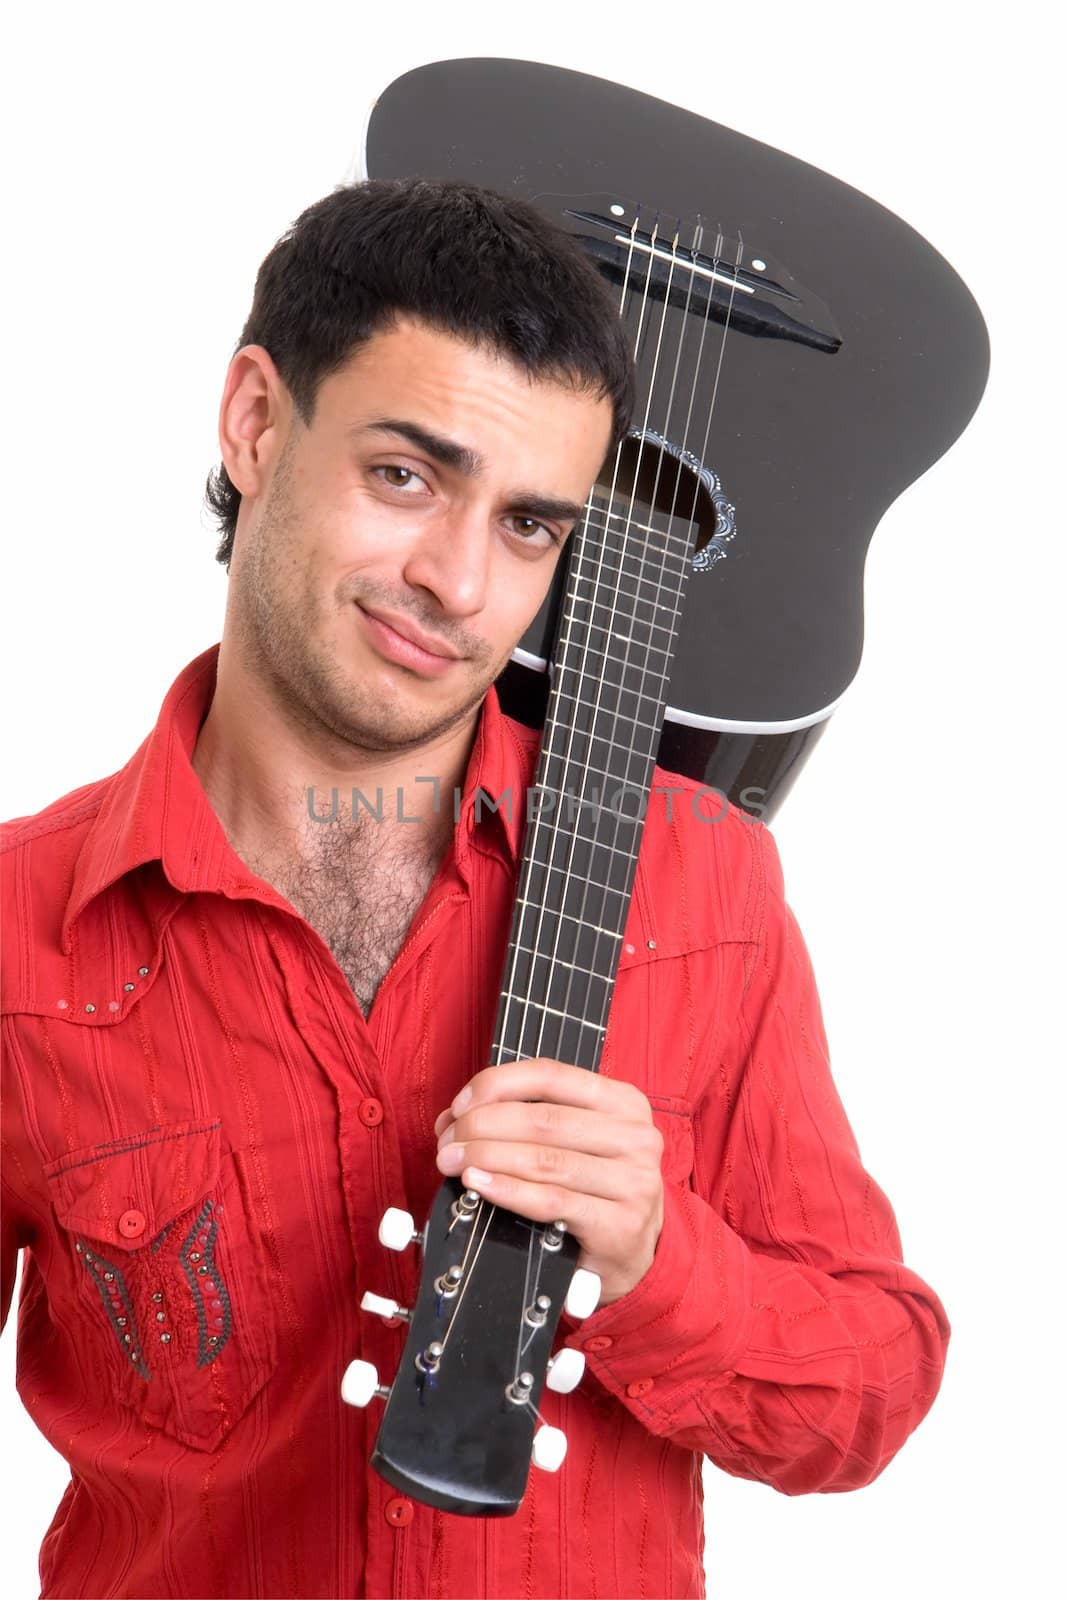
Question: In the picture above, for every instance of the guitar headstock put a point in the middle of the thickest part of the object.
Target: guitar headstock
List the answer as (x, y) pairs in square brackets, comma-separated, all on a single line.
[(460, 1424)]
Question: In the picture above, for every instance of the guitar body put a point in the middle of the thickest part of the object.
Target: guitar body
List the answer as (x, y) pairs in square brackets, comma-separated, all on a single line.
[(835, 391)]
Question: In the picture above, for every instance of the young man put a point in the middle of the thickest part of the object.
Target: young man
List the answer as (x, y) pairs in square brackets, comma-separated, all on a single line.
[(242, 1015)]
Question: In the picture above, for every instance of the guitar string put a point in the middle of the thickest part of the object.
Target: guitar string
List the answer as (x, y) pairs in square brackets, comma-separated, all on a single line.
[(601, 569), (535, 829), (626, 664), (643, 564), (602, 1008), (566, 632), (597, 583)]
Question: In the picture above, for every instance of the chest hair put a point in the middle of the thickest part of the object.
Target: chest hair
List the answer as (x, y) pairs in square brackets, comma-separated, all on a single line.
[(359, 887)]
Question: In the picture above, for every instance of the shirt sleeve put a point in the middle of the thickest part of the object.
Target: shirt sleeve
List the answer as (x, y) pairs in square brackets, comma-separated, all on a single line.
[(778, 1329)]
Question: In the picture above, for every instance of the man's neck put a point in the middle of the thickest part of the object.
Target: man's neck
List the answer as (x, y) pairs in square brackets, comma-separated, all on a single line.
[(276, 787)]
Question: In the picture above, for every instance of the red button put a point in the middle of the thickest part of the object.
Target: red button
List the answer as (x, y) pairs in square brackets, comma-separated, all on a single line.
[(599, 1342), (639, 1386), (371, 1112), (399, 1512), (132, 1224)]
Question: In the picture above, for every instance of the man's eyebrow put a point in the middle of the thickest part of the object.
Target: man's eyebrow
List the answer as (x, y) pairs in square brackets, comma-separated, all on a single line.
[(467, 461)]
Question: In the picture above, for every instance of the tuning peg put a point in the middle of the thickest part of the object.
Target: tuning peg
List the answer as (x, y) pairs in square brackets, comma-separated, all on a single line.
[(360, 1384), (397, 1229), (383, 1307), (549, 1447), (565, 1370), (583, 1296)]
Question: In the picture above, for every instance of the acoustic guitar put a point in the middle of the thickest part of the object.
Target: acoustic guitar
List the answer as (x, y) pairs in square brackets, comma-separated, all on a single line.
[(802, 355)]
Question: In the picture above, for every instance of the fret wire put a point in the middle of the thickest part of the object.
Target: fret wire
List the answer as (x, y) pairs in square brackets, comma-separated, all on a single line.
[(603, 627), (650, 672), (558, 961), (599, 844), (565, 916), (632, 594), (606, 557), (602, 772), (525, 1004), (637, 722), (605, 888)]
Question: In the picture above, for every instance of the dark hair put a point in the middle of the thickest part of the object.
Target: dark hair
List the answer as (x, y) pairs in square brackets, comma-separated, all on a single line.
[(464, 259)]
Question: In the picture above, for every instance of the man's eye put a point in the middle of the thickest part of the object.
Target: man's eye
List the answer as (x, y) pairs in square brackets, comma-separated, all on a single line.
[(409, 474), (528, 529)]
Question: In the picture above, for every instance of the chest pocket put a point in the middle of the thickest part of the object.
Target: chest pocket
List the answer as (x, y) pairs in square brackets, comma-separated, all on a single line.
[(171, 1277)]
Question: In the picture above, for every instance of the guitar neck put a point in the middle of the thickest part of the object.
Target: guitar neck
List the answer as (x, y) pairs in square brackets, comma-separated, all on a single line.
[(585, 815)]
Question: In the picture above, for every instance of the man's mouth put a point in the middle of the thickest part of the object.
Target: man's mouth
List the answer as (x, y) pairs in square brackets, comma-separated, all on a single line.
[(401, 640)]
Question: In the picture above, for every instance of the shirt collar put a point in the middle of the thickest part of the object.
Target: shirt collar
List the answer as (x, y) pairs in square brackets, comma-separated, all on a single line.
[(156, 809)]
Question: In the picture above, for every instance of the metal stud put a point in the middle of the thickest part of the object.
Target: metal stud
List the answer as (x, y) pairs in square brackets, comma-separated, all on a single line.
[(164, 1338), (161, 1316), (652, 944), (90, 1007), (79, 1247), (157, 1297), (129, 986), (143, 971), (194, 1255), (212, 1338), (109, 1277), (203, 1268), (127, 1338), (122, 1321)]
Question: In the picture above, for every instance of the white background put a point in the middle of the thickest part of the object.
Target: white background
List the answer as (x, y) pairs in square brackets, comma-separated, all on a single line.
[(157, 154)]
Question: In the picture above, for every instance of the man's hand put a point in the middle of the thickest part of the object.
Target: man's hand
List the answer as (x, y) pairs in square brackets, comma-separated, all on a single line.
[(553, 1142)]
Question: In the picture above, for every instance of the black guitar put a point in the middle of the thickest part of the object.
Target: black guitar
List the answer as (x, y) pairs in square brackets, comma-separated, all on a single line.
[(802, 355)]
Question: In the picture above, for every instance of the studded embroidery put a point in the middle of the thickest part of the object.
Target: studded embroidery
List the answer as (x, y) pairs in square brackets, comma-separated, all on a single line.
[(115, 1294), (212, 1302)]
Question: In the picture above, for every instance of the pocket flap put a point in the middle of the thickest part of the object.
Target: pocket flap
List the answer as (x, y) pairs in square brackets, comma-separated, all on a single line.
[(126, 1191)]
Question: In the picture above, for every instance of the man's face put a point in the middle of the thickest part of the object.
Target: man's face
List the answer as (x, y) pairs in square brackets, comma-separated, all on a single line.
[(400, 547)]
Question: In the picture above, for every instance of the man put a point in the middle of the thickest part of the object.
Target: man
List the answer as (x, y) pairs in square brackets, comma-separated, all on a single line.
[(251, 981)]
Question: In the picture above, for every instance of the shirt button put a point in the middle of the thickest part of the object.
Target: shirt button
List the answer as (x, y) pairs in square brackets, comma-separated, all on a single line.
[(399, 1512), (132, 1224), (639, 1386), (599, 1342), (371, 1112)]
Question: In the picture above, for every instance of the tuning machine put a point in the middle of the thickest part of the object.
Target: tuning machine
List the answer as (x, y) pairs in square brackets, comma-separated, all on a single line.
[(360, 1385), (397, 1229), (382, 1307), (583, 1296), (549, 1448)]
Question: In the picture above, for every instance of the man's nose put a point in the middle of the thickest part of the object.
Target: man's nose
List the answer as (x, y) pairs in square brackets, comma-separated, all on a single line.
[(451, 560)]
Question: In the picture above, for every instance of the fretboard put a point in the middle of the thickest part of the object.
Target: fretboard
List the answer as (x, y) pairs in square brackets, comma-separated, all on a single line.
[(585, 816)]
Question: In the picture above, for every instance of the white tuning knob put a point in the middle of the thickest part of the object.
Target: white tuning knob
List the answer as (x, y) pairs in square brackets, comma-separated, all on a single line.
[(583, 1296), (397, 1229), (565, 1370), (381, 1306), (360, 1384), (549, 1447)]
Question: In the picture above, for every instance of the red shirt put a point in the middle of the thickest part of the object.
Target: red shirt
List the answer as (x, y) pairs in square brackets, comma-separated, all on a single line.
[(201, 1131)]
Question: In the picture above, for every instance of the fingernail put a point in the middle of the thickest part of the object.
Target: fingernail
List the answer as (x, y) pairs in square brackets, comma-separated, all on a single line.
[(478, 1179), (450, 1158), (462, 1101)]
